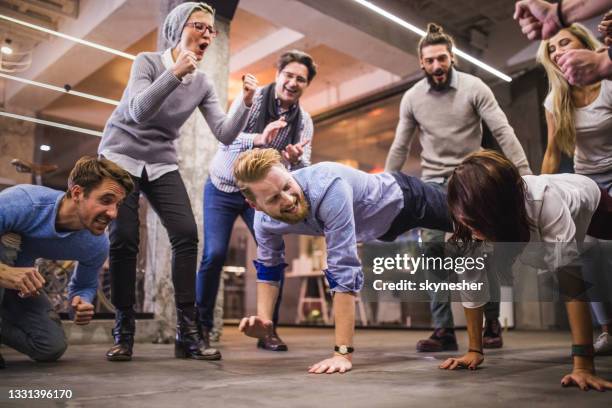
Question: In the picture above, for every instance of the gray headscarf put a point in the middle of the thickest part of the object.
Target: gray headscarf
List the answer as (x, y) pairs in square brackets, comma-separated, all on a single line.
[(176, 19)]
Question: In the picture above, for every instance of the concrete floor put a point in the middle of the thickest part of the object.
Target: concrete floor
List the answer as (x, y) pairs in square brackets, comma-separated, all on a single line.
[(387, 373)]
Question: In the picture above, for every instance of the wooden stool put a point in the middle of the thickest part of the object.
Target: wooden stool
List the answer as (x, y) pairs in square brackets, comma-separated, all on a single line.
[(303, 299)]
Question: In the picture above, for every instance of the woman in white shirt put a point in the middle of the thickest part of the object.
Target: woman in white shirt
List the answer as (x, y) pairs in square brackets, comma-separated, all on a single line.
[(579, 121), (489, 201)]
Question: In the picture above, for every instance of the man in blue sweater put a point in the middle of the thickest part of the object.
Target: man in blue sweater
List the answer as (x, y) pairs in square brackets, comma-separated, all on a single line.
[(38, 222)]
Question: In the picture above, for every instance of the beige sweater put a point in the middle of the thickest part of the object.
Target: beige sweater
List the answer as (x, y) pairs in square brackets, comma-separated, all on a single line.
[(450, 126)]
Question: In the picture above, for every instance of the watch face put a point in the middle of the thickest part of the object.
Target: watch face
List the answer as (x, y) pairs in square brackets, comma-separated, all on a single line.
[(343, 350)]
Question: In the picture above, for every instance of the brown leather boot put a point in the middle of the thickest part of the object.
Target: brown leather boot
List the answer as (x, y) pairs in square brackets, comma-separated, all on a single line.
[(440, 340), (272, 342), (492, 334)]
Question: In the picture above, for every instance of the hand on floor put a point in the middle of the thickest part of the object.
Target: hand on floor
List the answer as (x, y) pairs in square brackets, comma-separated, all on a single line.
[(471, 360), (255, 326), (585, 379), (339, 364)]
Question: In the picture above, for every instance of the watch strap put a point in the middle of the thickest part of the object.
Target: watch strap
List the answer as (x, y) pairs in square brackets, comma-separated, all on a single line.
[(344, 349), (560, 15), (583, 350)]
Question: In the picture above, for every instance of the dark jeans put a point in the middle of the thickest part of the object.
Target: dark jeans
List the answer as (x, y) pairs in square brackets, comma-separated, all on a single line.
[(29, 325), (168, 198), (220, 212), (426, 207)]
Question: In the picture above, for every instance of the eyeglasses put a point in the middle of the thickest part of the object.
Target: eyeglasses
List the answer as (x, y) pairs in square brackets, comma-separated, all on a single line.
[(202, 28), (298, 78)]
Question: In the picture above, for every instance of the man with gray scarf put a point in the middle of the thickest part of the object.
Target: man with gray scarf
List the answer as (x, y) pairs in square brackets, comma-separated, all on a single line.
[(276, 120)]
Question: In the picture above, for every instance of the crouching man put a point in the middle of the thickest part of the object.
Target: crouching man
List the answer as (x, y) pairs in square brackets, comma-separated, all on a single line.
[(39, 222), (344, 205)]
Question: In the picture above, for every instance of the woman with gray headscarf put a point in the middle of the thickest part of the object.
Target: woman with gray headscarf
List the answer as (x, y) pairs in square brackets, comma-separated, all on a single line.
[(163, 91)]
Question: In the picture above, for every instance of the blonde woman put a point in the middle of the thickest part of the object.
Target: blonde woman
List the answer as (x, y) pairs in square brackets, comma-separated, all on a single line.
[(579, 120)]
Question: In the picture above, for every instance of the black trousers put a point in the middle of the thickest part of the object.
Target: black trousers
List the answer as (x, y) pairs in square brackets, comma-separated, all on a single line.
[(168, 198)]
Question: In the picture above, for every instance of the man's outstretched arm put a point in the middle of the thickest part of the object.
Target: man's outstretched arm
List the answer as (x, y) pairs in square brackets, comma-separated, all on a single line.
[(270, 265), (344, 272), (344, 315), (261, 325)]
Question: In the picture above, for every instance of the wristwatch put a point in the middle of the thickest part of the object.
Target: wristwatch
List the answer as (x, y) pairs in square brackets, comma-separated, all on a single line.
[(343, 350)]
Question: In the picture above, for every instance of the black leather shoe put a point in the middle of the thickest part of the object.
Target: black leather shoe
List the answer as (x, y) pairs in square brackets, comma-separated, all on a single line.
[(123, 332), (272, 342), (188, 343)]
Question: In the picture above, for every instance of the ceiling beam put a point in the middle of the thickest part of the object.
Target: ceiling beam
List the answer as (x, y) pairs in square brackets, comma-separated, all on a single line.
[(113, 23), (69, 9), (260, 49), (344, 26)]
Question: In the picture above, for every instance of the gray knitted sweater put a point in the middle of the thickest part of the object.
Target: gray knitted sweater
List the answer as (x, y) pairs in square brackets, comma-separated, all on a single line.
[(154, 106)]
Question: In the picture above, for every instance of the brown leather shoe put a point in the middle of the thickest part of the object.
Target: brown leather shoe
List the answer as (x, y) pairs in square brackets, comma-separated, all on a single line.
[(272, 343), (440, 340), (492, 334)]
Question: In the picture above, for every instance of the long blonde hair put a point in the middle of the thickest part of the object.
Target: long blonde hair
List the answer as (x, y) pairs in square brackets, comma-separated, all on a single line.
[(562, 103)]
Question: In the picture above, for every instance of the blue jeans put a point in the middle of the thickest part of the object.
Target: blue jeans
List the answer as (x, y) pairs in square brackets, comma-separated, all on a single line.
[(29, 325), (220, 212)]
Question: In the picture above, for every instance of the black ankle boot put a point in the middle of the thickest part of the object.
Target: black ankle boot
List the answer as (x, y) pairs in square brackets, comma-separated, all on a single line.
[(123, 332), (189, 343)]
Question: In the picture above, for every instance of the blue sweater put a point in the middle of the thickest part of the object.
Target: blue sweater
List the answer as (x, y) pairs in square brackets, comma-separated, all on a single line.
[(30, 211)]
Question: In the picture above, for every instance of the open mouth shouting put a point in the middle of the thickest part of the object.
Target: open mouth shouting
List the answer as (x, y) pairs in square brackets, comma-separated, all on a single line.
[(292, 209), (290, 93), (439, 76), (101, 221), (201, 49)]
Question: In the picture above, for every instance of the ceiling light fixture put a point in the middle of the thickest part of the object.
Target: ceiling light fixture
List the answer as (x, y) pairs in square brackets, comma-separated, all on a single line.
[(66, 89), (69, 37), (45, 148), (6, 47), (50, 123), (420, 32)]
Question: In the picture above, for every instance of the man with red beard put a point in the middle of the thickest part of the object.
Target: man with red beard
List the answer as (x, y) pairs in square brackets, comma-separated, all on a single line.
[(344, 205), (39, 222), (448, 108)]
